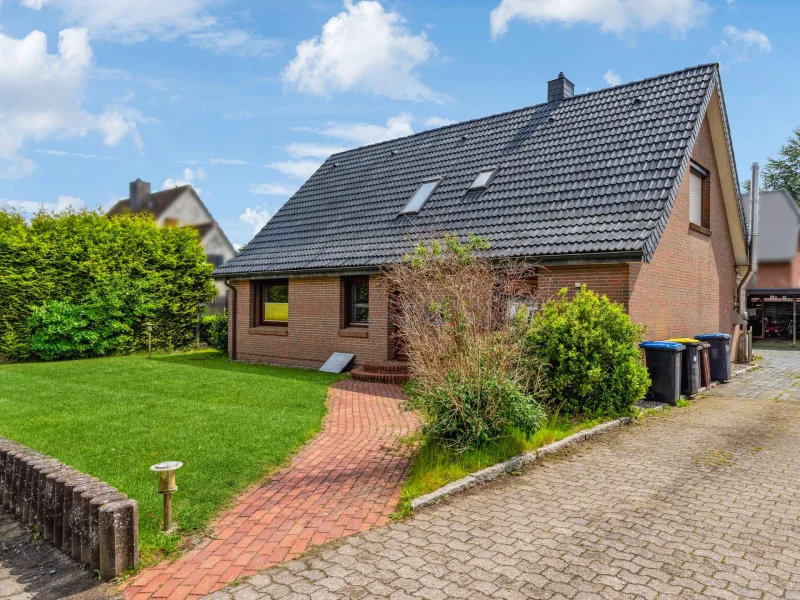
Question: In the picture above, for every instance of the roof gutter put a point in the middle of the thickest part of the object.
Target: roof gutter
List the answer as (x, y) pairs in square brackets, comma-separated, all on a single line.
[(232, 331)]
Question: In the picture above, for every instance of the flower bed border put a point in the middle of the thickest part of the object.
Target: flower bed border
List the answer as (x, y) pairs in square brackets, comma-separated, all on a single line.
[(512, 464)]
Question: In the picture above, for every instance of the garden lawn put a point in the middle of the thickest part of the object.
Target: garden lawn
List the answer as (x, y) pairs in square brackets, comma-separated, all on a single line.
[(229, 423)]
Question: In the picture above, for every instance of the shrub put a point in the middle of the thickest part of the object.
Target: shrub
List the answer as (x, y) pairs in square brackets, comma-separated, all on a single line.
[(464, 345), (591, 347), (123, 270), (218, 332)]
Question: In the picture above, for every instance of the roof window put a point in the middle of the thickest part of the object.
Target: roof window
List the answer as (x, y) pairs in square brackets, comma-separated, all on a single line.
[(421, 196), (483, 179)]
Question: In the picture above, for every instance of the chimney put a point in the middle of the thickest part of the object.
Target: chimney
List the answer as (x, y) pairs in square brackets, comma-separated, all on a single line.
[(139, 195), (560, 88)]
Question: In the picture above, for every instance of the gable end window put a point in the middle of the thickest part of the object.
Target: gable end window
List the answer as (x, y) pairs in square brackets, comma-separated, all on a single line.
[(272, 302), (699, 199), (356, 301)]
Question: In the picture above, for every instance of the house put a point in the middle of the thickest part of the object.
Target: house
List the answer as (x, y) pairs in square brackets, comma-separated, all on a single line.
[(774, 291), (181, 207), (630, 190), (779, 242)]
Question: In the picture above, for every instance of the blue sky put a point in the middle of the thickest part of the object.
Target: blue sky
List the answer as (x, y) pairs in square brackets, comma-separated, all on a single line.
[(244, 98)]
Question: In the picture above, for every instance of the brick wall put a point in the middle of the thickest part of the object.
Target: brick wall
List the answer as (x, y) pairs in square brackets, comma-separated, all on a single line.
[(316, 325), (609, 279), (690, 285), (774, 275)]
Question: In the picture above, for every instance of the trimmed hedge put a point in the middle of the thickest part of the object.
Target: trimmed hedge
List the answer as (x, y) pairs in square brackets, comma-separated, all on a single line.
[(82, 284)]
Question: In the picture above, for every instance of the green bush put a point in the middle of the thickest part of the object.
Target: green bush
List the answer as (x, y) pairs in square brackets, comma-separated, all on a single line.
[(465, 413), (591, 347), (218, 331), (100, 278)]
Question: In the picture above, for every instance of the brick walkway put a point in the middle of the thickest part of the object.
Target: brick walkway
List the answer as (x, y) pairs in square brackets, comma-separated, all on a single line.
[(697, 502), (347, 480)]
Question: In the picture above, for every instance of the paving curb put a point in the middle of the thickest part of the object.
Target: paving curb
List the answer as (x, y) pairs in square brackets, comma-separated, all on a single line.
[(513, 464)]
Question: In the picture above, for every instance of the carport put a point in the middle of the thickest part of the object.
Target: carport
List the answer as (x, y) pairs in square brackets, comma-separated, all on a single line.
[(773, 312)]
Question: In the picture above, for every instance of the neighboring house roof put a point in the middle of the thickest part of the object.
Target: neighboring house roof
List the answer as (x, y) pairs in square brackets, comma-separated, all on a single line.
[(778, 225), (159, 201), (595, 174)]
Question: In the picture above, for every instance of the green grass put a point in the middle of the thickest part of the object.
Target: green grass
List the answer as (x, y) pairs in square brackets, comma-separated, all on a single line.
[(434, 466), (229, 423)]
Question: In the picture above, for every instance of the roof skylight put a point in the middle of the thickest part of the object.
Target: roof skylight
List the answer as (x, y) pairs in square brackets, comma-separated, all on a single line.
[(421, 196), (483, 179)]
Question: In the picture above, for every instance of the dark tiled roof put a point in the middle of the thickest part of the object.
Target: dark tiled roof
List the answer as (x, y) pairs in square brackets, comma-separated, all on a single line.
[(159, 202), (596, 173)]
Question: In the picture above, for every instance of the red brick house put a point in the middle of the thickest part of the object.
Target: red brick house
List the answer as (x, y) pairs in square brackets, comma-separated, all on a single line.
[(631, 190)]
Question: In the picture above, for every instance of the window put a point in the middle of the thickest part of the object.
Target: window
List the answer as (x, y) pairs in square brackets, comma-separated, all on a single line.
[(483, 179), (699, 198), (421, 196), (273, 302), (356, 297), (215, 259), (170, 222)]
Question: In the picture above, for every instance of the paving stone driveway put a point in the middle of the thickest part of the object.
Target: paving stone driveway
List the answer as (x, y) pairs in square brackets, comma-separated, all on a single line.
[(702, 501)]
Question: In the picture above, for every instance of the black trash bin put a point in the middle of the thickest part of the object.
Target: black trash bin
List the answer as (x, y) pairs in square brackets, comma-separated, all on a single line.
[(690, 365), (719, 354), (664, 365)]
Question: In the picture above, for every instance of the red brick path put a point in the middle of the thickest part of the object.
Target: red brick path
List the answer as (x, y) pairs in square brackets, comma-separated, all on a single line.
[(345, 481)]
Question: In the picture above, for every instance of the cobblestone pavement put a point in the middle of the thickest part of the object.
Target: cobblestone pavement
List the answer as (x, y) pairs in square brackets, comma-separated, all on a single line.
[(30, 570), (346, 480), (696, 502)]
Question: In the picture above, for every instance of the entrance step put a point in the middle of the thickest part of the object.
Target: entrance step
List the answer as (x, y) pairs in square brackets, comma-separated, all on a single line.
[(382, 372)]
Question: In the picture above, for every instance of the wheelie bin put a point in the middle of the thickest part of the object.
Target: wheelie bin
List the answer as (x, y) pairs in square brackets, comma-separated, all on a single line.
[(664, 365), (690, 365), (705, 365), (719, 354)]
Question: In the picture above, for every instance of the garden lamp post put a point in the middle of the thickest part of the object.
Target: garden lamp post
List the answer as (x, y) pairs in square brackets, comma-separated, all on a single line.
[(166, 487), (149, 338)]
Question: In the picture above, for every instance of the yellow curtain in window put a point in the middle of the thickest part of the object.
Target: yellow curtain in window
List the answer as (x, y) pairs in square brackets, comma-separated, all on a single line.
[(276, 311)]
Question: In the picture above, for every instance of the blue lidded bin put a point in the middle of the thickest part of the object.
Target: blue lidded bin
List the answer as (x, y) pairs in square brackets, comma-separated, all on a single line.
[(719, 354), (664, 365)]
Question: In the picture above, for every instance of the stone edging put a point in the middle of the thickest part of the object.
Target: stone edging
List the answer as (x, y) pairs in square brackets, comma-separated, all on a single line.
[(513, 464)]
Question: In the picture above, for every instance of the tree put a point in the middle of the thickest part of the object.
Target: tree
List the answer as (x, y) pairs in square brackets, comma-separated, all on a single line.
[(784, 172)]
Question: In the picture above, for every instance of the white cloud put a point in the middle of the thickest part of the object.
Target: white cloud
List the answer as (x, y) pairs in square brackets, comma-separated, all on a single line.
[(190, 177), (29, 207), (298, 150), (41, 96), (255, 218), (612, 78), (131, 21), (74, 154), (238, 115), (736, 44), (363, 48), (271, 189), (296, 168), (616, 16), (366, 133), (230, 162), (438, 122)]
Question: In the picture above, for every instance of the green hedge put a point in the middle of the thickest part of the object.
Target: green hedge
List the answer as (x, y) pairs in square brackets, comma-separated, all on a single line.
[(82, 284)]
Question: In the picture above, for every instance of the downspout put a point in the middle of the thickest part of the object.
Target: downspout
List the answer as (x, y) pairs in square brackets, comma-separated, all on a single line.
[(232, 332), (753, 243)]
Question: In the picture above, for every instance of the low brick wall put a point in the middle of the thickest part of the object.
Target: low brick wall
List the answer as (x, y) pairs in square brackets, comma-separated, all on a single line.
[(84, 517)]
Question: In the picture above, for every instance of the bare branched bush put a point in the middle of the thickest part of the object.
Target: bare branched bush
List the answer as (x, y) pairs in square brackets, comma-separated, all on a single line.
[(461, 320)]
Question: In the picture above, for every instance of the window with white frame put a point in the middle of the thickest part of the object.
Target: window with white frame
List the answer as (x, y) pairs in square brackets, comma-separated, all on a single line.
[(699, 197)]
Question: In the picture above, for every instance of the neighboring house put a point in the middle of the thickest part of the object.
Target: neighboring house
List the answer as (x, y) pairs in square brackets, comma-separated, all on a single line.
[(631, 190), (778, 241), (181, 207)]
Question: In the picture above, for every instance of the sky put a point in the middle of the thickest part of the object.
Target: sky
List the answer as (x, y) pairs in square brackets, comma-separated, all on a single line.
[(243, 99)]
